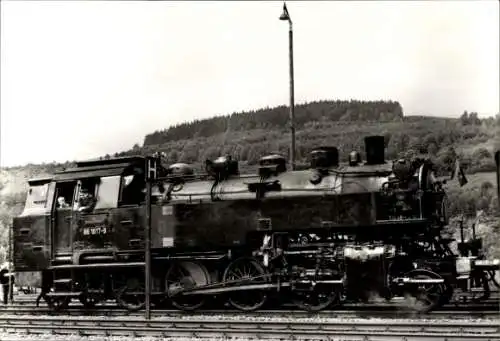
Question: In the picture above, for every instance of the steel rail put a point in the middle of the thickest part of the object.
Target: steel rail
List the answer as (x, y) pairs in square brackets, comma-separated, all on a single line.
[(382, 305), (368, 330), (441, 315), (494, 299), (482, 311), (221, 308)]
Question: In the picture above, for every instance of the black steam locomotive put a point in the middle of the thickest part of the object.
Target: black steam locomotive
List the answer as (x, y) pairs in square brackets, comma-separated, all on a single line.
[(317, 237)]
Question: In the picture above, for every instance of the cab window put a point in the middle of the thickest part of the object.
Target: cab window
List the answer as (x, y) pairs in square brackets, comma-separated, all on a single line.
[(108, 192), (87, 194), (37, 196), (133, 187), (64, 194), (90, 186)]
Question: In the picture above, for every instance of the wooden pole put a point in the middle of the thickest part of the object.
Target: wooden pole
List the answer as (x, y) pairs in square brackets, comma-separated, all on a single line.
[(285, 16), (292, 99)]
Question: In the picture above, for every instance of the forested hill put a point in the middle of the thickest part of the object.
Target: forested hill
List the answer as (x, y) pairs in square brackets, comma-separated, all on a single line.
[(247, 136), (277, 118)]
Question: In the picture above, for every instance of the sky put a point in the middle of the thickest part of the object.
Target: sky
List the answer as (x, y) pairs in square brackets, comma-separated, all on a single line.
[(83, 79)]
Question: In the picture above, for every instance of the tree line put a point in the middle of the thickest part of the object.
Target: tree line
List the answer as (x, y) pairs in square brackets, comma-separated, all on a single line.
[(248, 136), (442, 139), (277, 117)]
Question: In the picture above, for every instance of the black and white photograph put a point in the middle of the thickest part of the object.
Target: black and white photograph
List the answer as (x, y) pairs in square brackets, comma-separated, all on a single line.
[(249, 170)]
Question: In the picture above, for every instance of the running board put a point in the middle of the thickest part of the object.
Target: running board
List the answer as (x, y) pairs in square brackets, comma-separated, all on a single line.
[(97, 266)]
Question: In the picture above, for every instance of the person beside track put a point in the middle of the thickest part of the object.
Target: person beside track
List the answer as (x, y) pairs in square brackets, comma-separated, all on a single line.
[(7, 282)]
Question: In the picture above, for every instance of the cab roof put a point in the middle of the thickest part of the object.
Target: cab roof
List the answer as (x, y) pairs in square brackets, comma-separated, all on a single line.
[(115, 160), (40, 180), (100, 168)]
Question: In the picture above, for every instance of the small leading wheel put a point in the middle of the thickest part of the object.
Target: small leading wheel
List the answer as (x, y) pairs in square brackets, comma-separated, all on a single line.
[(130, 293), (315, 298), (186, 275), (92, 295), (58, 303), (89, 301), (247, 271), (425, 297)]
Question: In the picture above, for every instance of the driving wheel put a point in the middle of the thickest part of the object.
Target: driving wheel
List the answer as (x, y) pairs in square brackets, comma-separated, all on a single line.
[(183, 276), (243, 272)]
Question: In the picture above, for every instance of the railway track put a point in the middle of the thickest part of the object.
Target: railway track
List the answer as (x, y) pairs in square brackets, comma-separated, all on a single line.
[(437, 315), (450, 312), (488, 310), (491, 302), (359, 329), (24, 321)]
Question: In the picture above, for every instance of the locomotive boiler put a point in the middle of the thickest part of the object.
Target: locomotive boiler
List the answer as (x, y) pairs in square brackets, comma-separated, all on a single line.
[(316, 237)]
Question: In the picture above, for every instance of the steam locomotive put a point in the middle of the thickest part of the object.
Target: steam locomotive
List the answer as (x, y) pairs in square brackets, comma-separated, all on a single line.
[(315, 237)]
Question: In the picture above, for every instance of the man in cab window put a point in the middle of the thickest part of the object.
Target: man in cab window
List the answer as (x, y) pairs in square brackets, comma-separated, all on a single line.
[(62, 203), (86, 201)]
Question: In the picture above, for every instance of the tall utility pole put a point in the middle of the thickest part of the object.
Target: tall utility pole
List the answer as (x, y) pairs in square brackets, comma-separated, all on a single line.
[(151, 168), (286, 17)]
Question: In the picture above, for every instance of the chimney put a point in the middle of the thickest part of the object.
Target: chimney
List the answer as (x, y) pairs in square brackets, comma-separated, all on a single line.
[(375, 150)]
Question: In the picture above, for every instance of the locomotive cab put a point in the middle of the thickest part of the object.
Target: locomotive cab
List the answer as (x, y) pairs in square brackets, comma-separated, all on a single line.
[(102, 214), (81, 214)]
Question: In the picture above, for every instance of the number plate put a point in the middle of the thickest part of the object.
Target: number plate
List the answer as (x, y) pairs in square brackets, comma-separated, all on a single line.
[(95, 230)]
